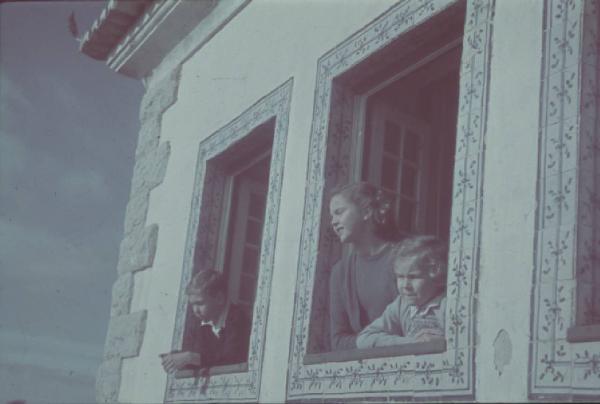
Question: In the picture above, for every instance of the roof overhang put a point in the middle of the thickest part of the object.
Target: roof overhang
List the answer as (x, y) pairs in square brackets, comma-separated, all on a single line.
[(134, 36)]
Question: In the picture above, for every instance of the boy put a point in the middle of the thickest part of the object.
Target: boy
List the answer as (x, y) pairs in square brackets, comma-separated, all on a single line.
[(224, 331), (417, 314)]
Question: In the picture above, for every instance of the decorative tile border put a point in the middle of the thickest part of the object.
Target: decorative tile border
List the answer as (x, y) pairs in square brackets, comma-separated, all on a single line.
[(567, 228), (242, 386), (434, 375)]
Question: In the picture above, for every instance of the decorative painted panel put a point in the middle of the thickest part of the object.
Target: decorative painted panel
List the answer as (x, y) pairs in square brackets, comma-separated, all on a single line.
[(447, 374), (567, 274), (205, 211)]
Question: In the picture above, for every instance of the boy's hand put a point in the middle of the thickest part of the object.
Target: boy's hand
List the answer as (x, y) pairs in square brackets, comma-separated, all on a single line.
[(175, 361), (429, 334)]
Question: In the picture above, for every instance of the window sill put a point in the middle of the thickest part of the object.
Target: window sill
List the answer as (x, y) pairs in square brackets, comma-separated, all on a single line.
[(584, 333), (215, 370), (417, 348)]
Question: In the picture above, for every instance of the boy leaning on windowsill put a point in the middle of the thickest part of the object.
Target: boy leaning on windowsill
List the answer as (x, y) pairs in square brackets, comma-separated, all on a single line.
[(224, 332), (417, 314)]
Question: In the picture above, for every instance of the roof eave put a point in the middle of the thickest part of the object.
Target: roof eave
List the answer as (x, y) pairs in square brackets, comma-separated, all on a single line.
[(115, 21), (134, 39)]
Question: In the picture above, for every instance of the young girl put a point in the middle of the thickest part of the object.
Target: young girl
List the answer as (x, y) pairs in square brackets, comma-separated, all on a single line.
[(362, 282), (417, 314)]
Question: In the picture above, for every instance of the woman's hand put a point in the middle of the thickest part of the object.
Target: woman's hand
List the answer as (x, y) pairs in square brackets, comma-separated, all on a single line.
[(175, 361)]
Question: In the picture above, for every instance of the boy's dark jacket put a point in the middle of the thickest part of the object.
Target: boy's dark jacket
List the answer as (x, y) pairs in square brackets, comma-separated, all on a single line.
[(232, 345)]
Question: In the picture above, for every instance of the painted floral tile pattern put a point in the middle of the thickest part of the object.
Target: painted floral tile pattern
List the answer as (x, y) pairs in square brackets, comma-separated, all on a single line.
[(567, 270), (446, 374), (206, 209)]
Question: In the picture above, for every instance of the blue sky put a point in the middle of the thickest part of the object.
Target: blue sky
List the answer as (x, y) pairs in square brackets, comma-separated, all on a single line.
[(68, 129)]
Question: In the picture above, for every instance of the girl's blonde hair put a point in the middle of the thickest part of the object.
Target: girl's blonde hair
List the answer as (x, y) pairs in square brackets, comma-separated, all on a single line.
[(428, 253)]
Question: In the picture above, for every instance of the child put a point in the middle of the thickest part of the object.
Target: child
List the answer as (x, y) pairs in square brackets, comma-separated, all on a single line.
[(417, 314), (224, 331)]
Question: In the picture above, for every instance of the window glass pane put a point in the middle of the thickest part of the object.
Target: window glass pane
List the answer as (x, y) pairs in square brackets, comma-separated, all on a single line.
[(247, 288), (392, 137), (389, 173), (253, 231), (409, 180), (250, 263), (411, 146), (257, 205), (406, 215)]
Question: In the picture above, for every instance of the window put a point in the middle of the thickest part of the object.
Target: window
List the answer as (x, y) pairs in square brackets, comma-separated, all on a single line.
[(409, 127), (587, 321), (566, 300), (245, 168), (403, 125), (586, 327), (243, 176), (377, 93), (247, 213), (233, 223), (410, 135)]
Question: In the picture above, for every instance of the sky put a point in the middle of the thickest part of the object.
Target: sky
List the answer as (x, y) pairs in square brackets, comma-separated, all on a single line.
[(68, 130)]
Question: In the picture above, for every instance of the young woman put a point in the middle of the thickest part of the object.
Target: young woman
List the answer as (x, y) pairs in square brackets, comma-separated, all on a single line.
[(362, 283)]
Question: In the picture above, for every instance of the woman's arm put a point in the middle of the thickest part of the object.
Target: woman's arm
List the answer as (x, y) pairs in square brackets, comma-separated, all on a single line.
[(342, 335)]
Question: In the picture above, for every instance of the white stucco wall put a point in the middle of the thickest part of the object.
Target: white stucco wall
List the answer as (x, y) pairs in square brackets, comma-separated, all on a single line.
[(509, 203), (267, 43), (262, 47)]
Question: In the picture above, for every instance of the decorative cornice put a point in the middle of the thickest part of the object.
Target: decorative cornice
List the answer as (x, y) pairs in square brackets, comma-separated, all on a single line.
[(111, 26), (134, 37)]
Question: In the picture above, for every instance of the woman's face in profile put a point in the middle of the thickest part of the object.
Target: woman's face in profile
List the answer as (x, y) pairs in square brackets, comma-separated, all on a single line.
[(346, 219)]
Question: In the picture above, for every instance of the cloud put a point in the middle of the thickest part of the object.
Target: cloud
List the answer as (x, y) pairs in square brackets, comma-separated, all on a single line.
[(67, 139), (13, 159), (54, 308), (83, 184), (49, 352), (37, 252), (12, 97), (43, 189), (52, 286), (36, 384)]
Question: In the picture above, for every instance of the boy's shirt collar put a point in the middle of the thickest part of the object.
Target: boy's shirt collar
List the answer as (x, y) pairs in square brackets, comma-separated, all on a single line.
[(434, 303), (219, 324)]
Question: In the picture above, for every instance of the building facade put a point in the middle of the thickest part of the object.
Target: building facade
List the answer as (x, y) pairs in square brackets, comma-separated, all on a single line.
[(480, 116)]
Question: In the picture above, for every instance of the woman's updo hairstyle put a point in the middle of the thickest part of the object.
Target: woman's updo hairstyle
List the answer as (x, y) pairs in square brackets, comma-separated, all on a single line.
[(367, 196)]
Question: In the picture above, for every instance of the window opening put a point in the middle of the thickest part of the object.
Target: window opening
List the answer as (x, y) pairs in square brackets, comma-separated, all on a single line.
[(249, 197), (410, 135), (236, 187), (403, 123)]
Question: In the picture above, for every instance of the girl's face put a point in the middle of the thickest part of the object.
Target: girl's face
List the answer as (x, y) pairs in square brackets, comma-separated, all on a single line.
[(414, 285), (346, 219)]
